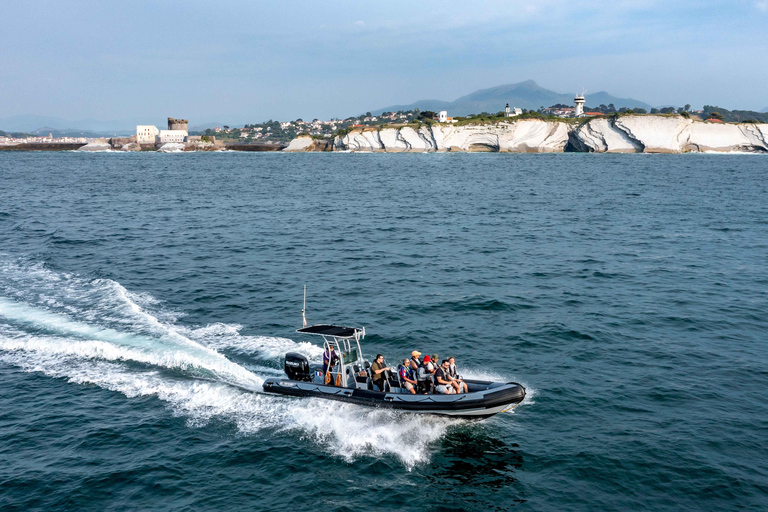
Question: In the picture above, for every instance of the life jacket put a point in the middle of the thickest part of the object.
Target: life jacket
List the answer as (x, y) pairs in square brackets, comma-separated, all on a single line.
[(442, 374), (422, 373)]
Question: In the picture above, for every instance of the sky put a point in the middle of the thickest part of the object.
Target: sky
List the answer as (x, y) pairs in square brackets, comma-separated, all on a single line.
[(246, 62)]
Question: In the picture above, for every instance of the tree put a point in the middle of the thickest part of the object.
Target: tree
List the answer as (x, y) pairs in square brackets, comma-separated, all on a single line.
[(602, 107), (654, 111), (367, 114), (715, 115), (611, 107), (427, 114), (640, 111), (225, 127), (687, 107)]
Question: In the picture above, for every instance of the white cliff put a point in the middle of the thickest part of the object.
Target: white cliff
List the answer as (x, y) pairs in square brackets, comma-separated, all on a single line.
[(301, 143), (667, 134), (624, 134)]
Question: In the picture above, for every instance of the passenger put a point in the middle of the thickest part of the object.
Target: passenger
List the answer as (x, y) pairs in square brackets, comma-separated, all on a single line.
[(424, 375), (378, 371), (415, 362), (456, 379), (330, 359), (443, 384), (406, 376)]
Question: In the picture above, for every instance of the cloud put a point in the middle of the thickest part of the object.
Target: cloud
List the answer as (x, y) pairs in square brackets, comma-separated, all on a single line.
[(762, 5), (359, 23)]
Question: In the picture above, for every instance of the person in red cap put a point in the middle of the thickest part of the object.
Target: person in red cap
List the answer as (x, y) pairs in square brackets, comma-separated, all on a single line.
[(428, 371)]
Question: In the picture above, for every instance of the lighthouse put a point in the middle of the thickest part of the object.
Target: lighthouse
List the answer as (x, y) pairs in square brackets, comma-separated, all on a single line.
[(579, 105)]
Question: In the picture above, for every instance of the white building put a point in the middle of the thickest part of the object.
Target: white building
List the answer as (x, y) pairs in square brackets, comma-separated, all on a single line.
[(514, 111), (579, 105), (145, 134), (167, 136), (442, 116)]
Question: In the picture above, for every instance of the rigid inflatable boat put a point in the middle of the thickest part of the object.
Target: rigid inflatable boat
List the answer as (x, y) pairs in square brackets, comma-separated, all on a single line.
[(350, 381)]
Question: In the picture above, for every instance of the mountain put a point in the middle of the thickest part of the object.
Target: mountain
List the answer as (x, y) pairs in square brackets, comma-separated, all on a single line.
[(31, 123), (765, 109), (87, 127), (41, 132), (526, 94)]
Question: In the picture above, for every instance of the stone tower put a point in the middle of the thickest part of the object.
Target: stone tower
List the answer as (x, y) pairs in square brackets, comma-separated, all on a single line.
[(177, 124)]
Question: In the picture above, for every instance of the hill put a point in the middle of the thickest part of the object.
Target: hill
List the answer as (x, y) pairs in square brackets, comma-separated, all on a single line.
[(736, 116), (526, 94), (765, 109)]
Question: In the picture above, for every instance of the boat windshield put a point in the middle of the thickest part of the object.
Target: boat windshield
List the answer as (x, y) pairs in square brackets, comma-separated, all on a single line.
[(350, 357), (346, 342)]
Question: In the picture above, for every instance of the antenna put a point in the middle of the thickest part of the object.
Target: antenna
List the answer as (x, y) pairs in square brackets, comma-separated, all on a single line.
[(304, 307)]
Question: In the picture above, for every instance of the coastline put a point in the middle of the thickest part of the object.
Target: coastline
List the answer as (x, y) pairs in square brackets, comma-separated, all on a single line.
[(616, 134)]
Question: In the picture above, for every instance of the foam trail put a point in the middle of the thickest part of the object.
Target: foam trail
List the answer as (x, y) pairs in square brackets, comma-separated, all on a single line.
[(95, 331), (227, 336), (90, 341), (343, 430)]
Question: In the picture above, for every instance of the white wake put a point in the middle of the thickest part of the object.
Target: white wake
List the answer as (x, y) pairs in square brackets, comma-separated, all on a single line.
[(97, 332)]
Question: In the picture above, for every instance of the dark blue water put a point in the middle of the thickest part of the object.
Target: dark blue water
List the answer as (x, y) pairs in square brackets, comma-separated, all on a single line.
[(142, 295)]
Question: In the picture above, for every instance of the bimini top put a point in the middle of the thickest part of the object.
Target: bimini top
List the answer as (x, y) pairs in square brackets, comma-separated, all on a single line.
[(337, 331)]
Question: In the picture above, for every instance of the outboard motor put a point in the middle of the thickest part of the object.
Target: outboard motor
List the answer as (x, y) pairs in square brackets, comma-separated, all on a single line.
[(297, 367)]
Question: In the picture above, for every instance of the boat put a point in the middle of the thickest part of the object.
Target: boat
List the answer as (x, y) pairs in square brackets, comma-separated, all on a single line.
[(350, 380)]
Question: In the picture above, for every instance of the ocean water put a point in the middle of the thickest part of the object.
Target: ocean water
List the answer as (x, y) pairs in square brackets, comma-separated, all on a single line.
[(144, 298)]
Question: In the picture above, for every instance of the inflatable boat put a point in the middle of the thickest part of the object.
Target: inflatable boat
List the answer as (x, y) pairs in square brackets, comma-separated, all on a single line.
[(350, 380)]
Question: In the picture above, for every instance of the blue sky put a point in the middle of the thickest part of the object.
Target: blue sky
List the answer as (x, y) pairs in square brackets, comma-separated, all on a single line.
[(241, 62)]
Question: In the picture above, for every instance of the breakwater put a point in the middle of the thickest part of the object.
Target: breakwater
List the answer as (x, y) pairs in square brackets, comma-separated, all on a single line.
[(68, 146)]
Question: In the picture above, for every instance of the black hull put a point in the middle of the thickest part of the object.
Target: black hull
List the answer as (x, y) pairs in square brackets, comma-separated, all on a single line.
[(496, 398)]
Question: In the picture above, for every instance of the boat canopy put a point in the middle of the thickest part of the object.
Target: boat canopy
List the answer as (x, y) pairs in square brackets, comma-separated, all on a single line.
[(337, 331)]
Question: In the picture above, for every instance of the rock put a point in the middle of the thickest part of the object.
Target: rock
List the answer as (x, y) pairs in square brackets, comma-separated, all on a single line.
[(300, 143), (132, 146), (171, 147), (96, 146), (304, 143), (723, 138)]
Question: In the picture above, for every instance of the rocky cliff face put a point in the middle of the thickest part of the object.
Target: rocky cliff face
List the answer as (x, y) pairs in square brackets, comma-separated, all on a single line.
[(626, 134), (306, 143), (675, 134)]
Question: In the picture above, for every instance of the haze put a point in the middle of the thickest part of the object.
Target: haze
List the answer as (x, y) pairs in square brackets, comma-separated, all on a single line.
[(249, 62)]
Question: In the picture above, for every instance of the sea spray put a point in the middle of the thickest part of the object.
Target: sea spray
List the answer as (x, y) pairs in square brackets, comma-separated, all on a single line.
[(126, 343)]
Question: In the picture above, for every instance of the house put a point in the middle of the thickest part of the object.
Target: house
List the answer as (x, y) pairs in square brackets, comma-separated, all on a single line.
[(512, 112), (166, 136), (146, 134), (713, 120)]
